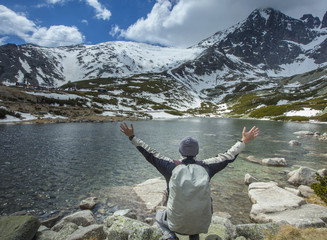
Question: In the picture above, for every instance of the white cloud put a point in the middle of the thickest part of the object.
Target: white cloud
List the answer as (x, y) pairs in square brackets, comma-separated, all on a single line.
[(14, 24), (56, 1), (101, 11), (3, 40), (56, 36), (186, 22)]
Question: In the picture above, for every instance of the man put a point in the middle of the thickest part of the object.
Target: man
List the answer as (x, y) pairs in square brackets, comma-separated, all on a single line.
[(188, 148)]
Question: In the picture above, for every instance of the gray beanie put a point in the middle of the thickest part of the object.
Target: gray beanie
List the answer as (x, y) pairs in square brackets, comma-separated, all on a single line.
[(189, 147)]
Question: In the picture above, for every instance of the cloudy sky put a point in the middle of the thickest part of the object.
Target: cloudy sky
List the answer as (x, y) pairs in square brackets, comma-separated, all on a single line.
[(178, 23)]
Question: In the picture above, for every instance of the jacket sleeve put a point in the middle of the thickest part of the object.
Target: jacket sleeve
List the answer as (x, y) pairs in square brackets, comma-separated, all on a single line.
[(219, 162), (163, 164)]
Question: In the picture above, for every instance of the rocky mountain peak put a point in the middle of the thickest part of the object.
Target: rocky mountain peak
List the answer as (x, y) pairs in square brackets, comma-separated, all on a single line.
[(324, 21), (311, 21)]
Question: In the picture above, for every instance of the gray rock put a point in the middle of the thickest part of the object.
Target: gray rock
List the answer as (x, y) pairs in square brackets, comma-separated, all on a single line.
[(65, 232), (293, 190), (253, 159), (304, 133), (50, 222), (302, 176), (88, 203), (127, 213), (256, 231), (307, 215), (248, 179), (82, 218), (120, 227), (94, 232), (18, 227), (268, 198), (240, 238), (294, 143), (222, 227), (274, 204), (152, 192), (323, 172), (305, 191), (278, 162), (47, 235)]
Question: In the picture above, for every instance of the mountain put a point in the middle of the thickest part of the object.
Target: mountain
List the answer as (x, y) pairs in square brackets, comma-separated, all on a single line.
[(258, 55)]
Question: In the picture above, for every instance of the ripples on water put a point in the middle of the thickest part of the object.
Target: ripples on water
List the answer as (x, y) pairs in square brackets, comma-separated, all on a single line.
[(53, 166)]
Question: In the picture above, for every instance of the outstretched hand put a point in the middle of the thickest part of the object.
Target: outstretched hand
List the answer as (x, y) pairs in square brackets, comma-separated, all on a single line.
[(126, 130), (250, 135)]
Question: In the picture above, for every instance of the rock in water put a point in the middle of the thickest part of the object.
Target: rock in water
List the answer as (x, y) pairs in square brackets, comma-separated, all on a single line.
[(302, 176), (278, 162), (88, 203)]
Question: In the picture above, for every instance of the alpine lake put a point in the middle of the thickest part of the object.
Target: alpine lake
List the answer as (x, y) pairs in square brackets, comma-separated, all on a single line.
[(45, 168)]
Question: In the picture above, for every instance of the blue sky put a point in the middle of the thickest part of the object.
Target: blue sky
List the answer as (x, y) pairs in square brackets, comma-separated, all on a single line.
[(178, 23)]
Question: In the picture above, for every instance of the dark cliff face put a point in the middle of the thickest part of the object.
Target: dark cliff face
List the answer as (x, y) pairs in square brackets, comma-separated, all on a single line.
[(29, 63), (310, 21), (324, 21), (268, 37)]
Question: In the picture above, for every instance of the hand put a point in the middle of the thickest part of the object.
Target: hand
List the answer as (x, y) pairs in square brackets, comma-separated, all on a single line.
[(250, 135), (126, 130)]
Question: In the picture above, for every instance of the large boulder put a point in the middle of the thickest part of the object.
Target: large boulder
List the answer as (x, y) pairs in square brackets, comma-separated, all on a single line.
[(302, 176), (256, 231), (92, 232), (220, 228), (274, 204), (152, 192), (278, 162), (82, 218), (18, 227), (120, 227)]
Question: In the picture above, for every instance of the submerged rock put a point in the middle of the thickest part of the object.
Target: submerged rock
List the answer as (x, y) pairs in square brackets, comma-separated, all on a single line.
[(303, 133), (278, 162), (294, 143)]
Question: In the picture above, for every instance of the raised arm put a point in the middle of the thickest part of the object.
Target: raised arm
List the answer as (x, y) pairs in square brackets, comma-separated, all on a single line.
[(219, 162), (163, 164)]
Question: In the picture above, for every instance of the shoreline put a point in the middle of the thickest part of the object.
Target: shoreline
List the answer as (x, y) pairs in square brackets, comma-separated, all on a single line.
[(101, 118)]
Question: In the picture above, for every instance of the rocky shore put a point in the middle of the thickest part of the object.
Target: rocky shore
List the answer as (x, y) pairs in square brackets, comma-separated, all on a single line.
[(273, 207)]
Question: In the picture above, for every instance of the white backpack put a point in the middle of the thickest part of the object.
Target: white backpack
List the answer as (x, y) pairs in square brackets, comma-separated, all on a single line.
[(189, 208)]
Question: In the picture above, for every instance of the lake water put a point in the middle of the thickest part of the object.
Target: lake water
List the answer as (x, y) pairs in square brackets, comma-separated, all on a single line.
[(45, 167)]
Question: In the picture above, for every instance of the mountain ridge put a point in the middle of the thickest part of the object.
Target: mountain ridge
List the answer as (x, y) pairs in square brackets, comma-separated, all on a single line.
[(255, 55)]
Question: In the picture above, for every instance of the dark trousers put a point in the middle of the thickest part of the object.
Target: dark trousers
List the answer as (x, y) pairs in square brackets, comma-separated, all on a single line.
[(194, 237), (161, 218)]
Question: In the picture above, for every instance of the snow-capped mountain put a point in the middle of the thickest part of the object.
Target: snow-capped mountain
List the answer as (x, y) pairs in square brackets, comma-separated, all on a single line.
[(57, 66), (250, 55)]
